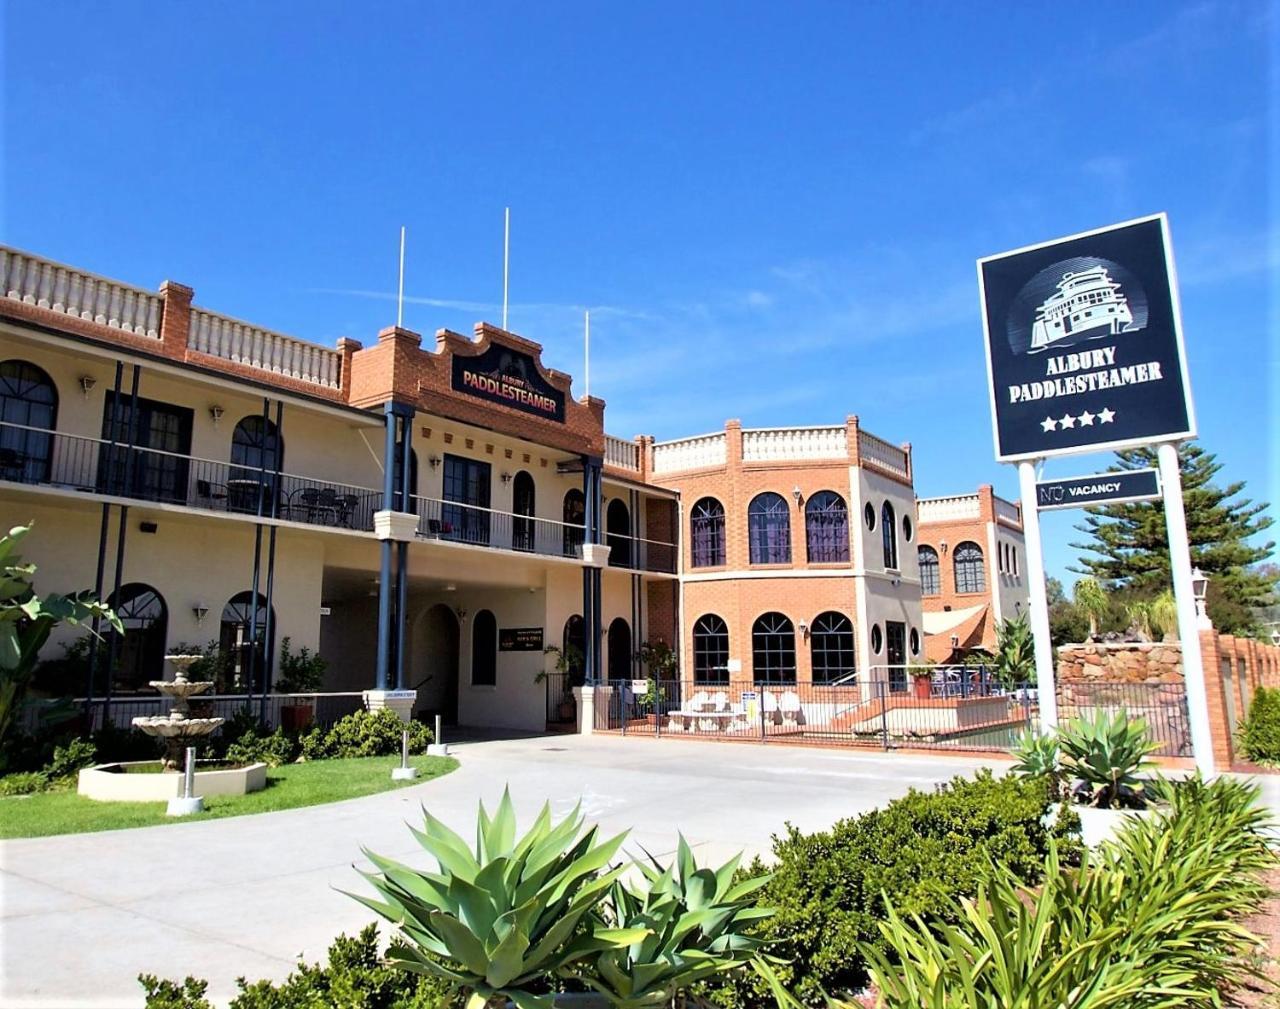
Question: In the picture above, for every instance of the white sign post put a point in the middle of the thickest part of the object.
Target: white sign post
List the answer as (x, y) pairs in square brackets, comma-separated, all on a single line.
[(1085, 353)]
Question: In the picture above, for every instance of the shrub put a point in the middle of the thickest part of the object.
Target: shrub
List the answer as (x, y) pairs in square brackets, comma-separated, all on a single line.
[(1260, 734), (68, 759), (23, 783), (1106, 753), (1146, 923), (374, 734), (273, 750), (302, 673), (355, 977), (116, 743), (920, 851)]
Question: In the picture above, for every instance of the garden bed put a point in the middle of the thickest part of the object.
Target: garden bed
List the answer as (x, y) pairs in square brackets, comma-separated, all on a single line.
[(137, 781)]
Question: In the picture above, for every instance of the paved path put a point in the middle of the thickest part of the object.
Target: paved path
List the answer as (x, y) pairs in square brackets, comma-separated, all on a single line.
[(83, 914)]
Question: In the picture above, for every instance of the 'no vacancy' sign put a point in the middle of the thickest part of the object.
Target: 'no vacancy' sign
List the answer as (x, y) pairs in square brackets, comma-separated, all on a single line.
[(1084, 343)]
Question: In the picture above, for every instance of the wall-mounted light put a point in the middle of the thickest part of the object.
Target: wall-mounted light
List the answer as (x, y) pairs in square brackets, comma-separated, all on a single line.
[(795, 493), (804, 628), (506, 478), (199, 611), (462, 614), (216, 413), (433, 461), (942, 545), (87, 382)]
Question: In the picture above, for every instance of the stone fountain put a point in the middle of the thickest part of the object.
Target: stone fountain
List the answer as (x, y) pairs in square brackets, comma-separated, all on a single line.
[(178, 729)]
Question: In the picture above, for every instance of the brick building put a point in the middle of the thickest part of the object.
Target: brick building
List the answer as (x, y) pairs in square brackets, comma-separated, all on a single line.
[(426, 518), (971, 555)]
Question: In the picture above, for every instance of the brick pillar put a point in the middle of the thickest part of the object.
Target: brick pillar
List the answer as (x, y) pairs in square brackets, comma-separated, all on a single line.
[(911, 478), (347, 347), (851, 439), (175, 319), (1219, 728), (987, 503)]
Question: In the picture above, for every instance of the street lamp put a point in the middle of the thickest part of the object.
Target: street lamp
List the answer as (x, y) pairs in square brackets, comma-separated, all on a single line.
[(1200, 589)]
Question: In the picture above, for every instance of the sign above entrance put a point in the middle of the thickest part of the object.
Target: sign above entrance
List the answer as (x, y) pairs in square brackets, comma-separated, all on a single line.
[(511, 378), (520, 639), (1084, 343), (1105, 488)]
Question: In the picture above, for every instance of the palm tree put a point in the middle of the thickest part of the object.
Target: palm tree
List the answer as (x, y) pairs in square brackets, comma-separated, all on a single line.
[(1091, 600)]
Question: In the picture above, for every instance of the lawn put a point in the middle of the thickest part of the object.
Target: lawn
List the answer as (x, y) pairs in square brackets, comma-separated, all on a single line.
[(290, 786)]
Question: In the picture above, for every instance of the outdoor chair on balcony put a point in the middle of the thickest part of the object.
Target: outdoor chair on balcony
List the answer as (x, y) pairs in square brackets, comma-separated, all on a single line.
[(210, 495), (316, 505), (13, 464), (347, 505), (438, 528)]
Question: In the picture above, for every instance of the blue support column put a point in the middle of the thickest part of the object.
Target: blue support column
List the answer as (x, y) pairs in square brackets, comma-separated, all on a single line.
[(383, 678), (593, 491)]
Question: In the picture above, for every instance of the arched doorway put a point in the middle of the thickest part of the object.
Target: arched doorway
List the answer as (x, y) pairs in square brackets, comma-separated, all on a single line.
[(140, 651), (435, 671), (236, 641), (618, 533), (574, 645), (523, 502), (619, 650)]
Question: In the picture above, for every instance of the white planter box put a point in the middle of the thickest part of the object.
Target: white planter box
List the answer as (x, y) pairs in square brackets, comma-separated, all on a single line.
[(106, 784), (1098, 825)]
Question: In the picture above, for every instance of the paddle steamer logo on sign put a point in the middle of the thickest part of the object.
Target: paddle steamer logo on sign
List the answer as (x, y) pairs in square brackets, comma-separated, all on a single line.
[(506, 376), (1084, 343)]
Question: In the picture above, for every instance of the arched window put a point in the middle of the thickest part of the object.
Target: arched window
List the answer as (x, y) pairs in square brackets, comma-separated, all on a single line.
[(575, 520), (618, 533), (484, 650), (706, 523), (970, 572), (523, 502), (140, 652), (889, 534), (710, 650), (257, 451), (831, 647), (773, 649), (769, 530), (28, 399), (573, 642), (236, 640), (619, 665), (930, 579), (826, 528)]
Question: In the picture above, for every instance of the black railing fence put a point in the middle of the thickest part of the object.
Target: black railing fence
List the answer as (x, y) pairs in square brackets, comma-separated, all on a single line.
[(878, 714), (562, 709)]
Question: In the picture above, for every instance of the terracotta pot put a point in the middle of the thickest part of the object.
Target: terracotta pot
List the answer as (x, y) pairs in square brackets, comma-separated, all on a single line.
[(923, 688), (296, 717)]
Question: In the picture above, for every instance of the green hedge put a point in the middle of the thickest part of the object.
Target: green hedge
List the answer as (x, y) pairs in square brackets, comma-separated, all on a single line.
[(1259, 735), (921, 850)]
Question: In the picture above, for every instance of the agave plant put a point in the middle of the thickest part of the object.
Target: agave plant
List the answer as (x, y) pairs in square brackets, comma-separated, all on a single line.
[(1036, 755), (1106, 753), (695, 923), (501, 919)]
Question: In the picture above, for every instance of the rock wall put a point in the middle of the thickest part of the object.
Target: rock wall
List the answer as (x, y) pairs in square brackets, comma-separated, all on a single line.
[(1121, 662)]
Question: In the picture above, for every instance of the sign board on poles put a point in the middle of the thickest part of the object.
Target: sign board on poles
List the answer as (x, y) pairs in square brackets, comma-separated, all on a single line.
[(1084, 343), (1105, 488)]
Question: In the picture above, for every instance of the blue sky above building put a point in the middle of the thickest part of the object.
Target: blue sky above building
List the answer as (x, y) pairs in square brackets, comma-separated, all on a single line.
[(772, 211)]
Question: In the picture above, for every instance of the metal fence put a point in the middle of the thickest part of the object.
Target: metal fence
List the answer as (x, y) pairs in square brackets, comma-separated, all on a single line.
[(878, 715), (1162, 706), (282, 710), (562, 709)]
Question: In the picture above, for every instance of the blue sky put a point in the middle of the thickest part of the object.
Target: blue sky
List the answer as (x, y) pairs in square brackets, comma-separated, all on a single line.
[(772, 210)]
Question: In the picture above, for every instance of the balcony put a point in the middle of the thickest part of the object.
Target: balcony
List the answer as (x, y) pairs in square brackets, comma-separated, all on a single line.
[(472, 525), (38, 457)]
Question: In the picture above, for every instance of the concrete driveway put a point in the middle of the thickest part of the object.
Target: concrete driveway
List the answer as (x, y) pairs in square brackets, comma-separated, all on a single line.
[(83, 914)]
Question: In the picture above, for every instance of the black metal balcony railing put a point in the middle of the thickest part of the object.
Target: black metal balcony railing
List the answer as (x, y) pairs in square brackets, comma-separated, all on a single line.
[(453, 522), (31, 455), (93, 466)]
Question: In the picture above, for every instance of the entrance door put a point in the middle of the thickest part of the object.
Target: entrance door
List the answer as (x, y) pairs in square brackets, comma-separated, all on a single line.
[(522, 503), (437, 673), (156, 475), (895, 652)]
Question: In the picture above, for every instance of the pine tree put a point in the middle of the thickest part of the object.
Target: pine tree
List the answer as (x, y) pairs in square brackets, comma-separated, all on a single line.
[(1132, 543)]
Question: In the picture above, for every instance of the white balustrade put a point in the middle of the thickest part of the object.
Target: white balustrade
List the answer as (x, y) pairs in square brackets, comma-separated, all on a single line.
[(956, 508), (621, 453), (690, 453), (80, 295), (779, 443), (243, 343), (882, 455)]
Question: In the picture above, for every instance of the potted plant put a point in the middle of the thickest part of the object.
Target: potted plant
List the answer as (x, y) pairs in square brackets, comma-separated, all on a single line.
[(921, 682), (568, 660), (647, 703), (302, 673), (1104, 755)]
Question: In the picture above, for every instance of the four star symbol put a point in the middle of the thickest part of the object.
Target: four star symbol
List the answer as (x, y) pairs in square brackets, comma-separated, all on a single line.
[(1049, 424), (1104, 416)]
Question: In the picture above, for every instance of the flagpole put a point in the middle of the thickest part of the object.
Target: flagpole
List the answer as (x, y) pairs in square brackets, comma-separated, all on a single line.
[(506, 262), (586, 353), (400, 294)]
